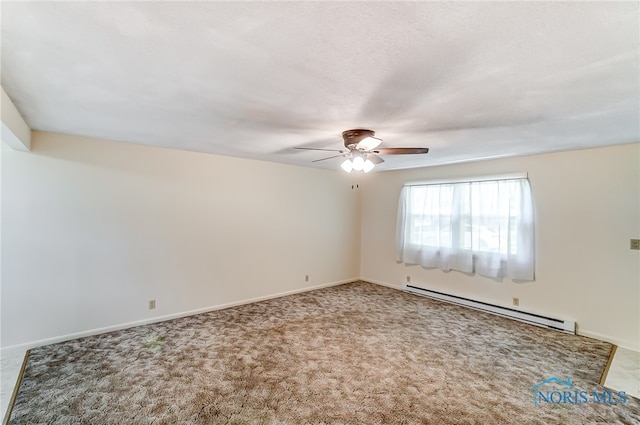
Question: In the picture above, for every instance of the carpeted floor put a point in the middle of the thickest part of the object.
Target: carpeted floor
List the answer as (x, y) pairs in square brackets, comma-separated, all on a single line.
[(352, 354)]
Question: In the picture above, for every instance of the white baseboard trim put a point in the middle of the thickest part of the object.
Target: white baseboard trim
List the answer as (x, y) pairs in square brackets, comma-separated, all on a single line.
[(21, 348), (381, 283)]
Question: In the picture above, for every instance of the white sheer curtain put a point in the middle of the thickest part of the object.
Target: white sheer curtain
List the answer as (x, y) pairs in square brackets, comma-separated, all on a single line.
[(484, 227)]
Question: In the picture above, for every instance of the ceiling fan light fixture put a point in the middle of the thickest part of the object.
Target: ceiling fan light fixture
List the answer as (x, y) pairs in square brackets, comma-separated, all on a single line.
[(368, 166), (362, 152), (368, 143), (347, 165), (358, 163)]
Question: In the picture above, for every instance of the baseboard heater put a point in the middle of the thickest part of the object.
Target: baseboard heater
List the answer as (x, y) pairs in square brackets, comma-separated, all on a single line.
[(567, 326)]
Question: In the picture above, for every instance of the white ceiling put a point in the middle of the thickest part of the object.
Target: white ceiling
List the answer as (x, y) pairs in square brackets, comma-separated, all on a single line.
[(468, 80)]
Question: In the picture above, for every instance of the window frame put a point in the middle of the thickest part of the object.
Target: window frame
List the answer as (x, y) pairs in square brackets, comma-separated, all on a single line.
[(468, 243)]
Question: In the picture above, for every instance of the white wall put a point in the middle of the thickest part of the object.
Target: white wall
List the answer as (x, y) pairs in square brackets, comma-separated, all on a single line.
[(587, 206), (92, 230)]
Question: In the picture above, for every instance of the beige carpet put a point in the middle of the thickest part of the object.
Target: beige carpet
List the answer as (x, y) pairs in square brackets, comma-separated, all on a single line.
[(352, 354)]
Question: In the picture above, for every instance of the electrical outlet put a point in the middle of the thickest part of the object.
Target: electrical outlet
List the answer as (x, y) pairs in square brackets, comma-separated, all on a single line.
[(635, 244), (152, 304), (516, 301), (408, 279), (306, 278)]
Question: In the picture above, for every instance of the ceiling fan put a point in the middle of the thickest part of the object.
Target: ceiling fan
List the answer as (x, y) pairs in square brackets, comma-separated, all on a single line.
[(362, 150)]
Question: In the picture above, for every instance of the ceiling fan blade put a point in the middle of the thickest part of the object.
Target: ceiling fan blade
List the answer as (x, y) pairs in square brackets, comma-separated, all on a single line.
[(401, 151), (320, 149), (375, 158), (330, 157)]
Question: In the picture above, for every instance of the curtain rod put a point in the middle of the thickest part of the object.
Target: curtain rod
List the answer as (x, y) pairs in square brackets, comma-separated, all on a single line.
[(470, 179)]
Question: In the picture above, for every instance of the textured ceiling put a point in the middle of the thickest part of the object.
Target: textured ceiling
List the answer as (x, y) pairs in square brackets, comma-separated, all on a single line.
[(468, 80)]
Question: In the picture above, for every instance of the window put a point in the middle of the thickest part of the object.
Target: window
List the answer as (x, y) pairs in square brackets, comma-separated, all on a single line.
[(484, 226)]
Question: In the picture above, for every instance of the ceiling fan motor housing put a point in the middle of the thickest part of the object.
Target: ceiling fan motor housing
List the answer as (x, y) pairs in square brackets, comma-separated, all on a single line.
[(352, 137)]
